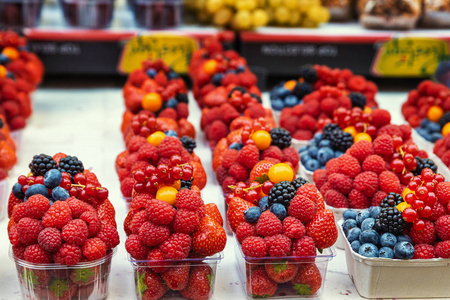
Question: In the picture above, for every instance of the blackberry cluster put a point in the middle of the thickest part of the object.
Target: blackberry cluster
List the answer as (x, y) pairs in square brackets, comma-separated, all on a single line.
[(182, 98), (280, 137), (391, 200), (41, 164), (328, 130), (444, 119), (298, 182), (282, 192), (188, 143), (71, 165), (358, 100), (186, 184), (423, 163), (308, 73), (390, 220), (341, 141), (302, 89)]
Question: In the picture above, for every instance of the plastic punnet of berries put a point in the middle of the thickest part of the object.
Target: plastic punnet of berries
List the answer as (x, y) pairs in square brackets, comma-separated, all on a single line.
[(62, 230)]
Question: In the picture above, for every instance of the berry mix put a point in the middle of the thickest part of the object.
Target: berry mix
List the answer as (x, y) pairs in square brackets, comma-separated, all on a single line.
[(8, 156)]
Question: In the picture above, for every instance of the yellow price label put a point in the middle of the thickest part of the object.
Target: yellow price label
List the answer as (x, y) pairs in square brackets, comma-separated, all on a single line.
[(410, 57), (174, 50)]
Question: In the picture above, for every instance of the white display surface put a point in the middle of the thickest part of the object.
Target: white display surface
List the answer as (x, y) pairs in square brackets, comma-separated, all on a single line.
[(86, 123)]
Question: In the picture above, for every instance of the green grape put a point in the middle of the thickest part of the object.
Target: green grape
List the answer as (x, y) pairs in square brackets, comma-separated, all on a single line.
[(259, 17)]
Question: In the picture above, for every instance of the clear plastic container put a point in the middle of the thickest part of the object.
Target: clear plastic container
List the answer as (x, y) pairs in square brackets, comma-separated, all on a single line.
[(388, 14), (246, 266), (20, 13), (88, 280), (93, 14), (157, 14), (436, 13), (208, 264), (4, 194)]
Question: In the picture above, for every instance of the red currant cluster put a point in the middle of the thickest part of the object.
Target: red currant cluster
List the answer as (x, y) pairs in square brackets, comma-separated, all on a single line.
[(242, 100), (250, 193), (144, 123), (356, 118), (421, 198), (258, 124), (150, 179), (404, 159)]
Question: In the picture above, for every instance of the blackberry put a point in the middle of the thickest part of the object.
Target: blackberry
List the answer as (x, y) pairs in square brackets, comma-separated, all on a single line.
[(71, 165), (341, 141), (391, 200), (302, 89), (188, 143), (258, 98), (308, 73), (328, 129), (41, 164), (358, 100), (282, 192), (280, 137), (390, 220), (444, 119), (182, 98), (298, 182), (186, 184), (423, 163)]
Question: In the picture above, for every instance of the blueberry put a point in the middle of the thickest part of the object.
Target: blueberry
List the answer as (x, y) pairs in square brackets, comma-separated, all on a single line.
[(52, 178), (349, 214), (324, 155), (404, 238), (367, 224), (58, 193), (369, 236), (252, 214), (172, 103), (236, 146), (374, 211), (3, 59), (312, 151), (303, 149), (151, 73), (277, 104), (368, 250), (348, 224), (338, 154), (435, 136), (217, 79), (433, 127), (404, 250), (172, 75), (362, 215), (388, 240), (312, 143), (282, 92), (423, 133), (17, 191), (386, 252), (36, 189), (171, 133), (324, 143), (231, 72), (264, 203), (355, 245), (290, 100), (318, 137), (278, 210), (312, 165), (424, 123), (305, 157), (353, 234), (240, 69)]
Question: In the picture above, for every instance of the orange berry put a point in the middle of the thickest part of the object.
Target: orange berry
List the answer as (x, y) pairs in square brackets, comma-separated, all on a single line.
[(11, 53), (289, 85), (281, 172), (152, 102), (446, 129), (351, 130), (177, 184), (435, 113), (210, 67), (156, 138), (262, 139), (367, 110), (362, 136), (3, 71), (167, 194)]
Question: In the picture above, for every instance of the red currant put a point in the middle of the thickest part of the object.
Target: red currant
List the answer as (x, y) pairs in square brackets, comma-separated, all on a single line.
[(144, 132), (421, 192), (154, 181), (408, 158), (412, 186), (139, 176), (238, 192), (252, 196), (410, 198), (397, 166), (176, 172), (419, 225), (65, 175), (73, 192), (82, 195), (150, 170), (22, 180), (429, 185), (371, 130), (162, 170), (228, 198), (90, 189), (241, 184), (360, 126), (139, 187), (267, 185), (398, 141), (80, 178), (427, 175), (175, 160), (418, 204), (39, 180), (425, 212), (439, 177), (409, 214), (418, 180), (187, 173), (412, 148), (102, 194), (66, 183), (430, 199)]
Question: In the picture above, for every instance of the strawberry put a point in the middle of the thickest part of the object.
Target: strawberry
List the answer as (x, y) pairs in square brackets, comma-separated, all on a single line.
[(322, 229), (235, 212), (176, 277), (213, 212), (308, 280), (281, 271), (200, 282), (259, 285), (149, 285), (209, 238), (61, 289), (84, 276)]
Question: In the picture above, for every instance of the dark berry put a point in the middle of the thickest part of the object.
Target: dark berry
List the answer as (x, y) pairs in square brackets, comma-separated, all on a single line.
[(238, 88), (1, 123), (188, 143), (302, 89), (444, 119), (186, 184), (308, 73), (298, 182), (358, 100), (71, 165), (391, 200), (423, 163), (341, 141), (280, 137), (182, 98), (390, 220), (41, 164), (282, 192)]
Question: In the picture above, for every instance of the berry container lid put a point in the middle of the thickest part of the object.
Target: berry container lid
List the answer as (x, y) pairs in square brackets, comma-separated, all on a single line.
[(396, 278)]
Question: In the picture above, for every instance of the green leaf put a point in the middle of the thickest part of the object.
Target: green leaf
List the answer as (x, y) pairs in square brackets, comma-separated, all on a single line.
[(280, 267), (320, 251), (59, 287), (302, 289), (210, 280), (84, 275), (262, 179), (140, 283), (260, 296), (29, 277)]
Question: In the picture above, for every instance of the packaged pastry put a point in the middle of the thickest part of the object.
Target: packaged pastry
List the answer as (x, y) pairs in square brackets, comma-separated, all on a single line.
[(436, 13), (389, 14), (340, 10)]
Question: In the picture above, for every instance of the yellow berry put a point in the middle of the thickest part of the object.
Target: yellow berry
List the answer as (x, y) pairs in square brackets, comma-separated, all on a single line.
[(177, 184), (367, 110), (296, 18), (210, 67), (289, 85), (243, 20), (167, 194), (275, 3), (259, 17), (213, 6), (223, 16), (3, 71), (156, 138), (245, 4), (402, 206), (11, 53), (262, 139), (446, 129), (291, 4), (282, 15), (281, 172), (362, 136), (318, 14), (435, 113), (351, 130), (152, 102), (406, 191)]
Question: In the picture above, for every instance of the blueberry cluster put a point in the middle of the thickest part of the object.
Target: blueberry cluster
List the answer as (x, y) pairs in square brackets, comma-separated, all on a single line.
[(366, 240), (281, 97), (252, 214), (431, 131), (317, 153)]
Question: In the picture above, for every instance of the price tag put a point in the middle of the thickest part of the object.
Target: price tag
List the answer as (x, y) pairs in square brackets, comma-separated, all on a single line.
[(174, 50), (409, 57)]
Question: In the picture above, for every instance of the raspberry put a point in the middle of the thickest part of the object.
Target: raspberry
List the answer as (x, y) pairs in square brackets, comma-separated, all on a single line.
[(442, 191), (35, 254), (391, 130), (341, 183), (109, 235), (153, 235), (443, 227), (12, 201), (291, 155), (28, 230), (75, 232), (254, 246), (170, 146), (278, 245), (356, 83), (272, 151), (229, 158), (160, 212), (37, 206), (135, 247), (217, 130), (227, 182), (406, 130), (310, 191), (361, 150), (349, 166), (19, 251), (325, 187), (303, 135), (307, 122), (92, 220), (293, 228), (186, 221), (425, 236), (256, 111), (389, 182), (77, 207), (20, 211), (140, 201), (156, 260), (182, 110), (303, 247), (442, 249), (268, 224), (302, 208), (423, 251), (248, 156), (68, 255), (238, 171), (437, 211), (50, 239), (333, 166), (137, 221), (94, 249), (148, 152), (383, 145), (320, 177), (189, 200), (356, 199), (13, 236), (245, 230), (380, 117), (313, 108), (377, 198), (374, 163), (366, 183), (228, 113), (177, 246), (336, 199), (136, 143), (168, 113), (328, 105)]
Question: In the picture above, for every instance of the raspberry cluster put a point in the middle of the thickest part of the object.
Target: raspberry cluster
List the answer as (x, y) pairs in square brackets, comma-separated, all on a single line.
[(7, 149), (441, 149)]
